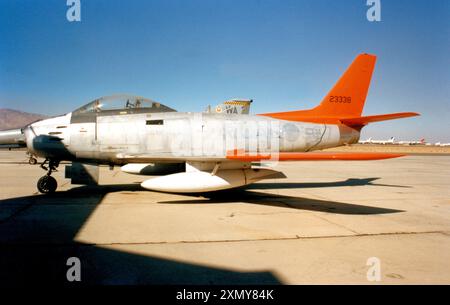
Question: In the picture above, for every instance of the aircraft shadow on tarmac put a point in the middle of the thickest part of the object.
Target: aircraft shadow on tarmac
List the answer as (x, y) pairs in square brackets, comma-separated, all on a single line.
[(37, 237), (348, 182), (291, 202)]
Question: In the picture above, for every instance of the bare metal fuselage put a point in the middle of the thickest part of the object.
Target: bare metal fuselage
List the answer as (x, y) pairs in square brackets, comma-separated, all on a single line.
[(117, 138)]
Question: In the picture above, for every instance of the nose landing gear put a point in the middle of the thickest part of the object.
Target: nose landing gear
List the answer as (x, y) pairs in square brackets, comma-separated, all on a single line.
[(32, 159), (47, 184)]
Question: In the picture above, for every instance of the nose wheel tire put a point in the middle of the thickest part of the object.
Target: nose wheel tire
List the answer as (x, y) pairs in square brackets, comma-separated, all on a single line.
[(32, 161), (47, 184)]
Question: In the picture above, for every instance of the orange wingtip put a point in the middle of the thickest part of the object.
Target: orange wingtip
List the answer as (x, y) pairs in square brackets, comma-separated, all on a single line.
[(311, 156)]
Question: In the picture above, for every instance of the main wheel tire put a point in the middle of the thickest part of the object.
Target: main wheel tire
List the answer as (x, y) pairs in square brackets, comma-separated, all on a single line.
[(47, 184), (32, 161)]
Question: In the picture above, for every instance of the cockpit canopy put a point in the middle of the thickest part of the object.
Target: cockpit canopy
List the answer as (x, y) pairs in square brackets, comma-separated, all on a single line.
[(123, 103)]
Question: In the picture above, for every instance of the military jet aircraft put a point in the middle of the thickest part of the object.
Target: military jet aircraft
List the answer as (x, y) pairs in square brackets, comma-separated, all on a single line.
[(200, 152)]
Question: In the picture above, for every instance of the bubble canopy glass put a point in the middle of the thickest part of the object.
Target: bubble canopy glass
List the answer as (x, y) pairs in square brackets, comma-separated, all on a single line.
[(122, 102)]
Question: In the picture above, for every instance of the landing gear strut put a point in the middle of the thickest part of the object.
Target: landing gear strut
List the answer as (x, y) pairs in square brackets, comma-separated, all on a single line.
[(47, 184)]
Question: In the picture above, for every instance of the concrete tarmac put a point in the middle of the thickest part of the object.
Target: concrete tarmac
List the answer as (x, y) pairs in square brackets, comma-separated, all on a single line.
[(320, 225)]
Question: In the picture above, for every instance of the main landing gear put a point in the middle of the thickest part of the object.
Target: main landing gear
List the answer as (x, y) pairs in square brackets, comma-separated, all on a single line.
[(47, 184)]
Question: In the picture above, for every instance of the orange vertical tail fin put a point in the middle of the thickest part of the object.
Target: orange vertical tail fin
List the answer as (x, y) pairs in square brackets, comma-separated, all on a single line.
[(345, 99)]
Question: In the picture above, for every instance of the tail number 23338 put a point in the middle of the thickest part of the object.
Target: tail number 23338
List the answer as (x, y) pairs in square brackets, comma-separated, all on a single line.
[(340, 99)]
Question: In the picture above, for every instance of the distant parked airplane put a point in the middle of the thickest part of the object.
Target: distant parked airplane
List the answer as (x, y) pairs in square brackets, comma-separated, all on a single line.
[(442, 144), (370, 141), (420, 142), (234, 106)]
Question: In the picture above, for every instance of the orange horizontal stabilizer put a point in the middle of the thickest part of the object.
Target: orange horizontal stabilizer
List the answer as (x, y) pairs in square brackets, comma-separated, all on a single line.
[(364, 120), (312, 156)]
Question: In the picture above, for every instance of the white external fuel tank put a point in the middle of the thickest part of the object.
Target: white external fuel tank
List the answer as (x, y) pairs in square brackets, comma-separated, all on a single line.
[(153, 168), (201, 181)]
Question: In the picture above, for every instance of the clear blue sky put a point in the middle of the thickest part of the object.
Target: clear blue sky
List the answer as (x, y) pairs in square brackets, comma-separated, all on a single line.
[(190, 53)]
